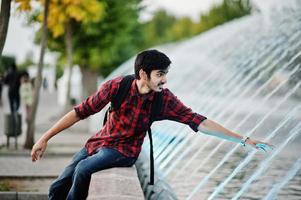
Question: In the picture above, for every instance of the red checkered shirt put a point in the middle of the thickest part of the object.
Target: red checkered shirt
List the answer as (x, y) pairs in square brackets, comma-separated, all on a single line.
[(125, 128)]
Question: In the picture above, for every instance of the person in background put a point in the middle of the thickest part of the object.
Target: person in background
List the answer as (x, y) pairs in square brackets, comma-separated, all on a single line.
[(26, 92), (13, 81)]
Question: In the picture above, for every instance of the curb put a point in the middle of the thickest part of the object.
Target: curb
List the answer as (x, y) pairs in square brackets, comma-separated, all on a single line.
[(28, 177), (26, 154), (23, 195)]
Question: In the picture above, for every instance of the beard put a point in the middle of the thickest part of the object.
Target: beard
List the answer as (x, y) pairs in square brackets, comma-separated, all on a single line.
[(160, 86)]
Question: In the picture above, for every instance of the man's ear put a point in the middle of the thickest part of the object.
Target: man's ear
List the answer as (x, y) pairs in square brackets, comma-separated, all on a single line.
[(142, 74)]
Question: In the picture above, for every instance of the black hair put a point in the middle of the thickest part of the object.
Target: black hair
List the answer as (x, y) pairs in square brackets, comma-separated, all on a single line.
[(13, 67), (24, 74), (150, 60)]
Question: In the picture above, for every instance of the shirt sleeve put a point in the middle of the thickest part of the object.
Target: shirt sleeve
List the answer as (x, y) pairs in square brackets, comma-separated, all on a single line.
[(174, 109), (99, 100)]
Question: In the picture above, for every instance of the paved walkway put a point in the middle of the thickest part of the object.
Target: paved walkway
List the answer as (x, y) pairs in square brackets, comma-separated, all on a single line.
[(16, 164)]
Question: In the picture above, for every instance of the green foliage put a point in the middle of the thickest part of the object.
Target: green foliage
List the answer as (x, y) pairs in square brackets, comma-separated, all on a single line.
[(5, 62), (27, 63), (165, 28), (59, 72), (156, 31), (182, 28), (102, 46), (227, 11)]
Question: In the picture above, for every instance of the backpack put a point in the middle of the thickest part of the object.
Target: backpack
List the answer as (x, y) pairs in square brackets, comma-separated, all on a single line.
[(156, 108)]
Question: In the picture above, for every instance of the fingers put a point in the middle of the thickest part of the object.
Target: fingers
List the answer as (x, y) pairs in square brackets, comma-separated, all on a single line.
[(36, 153), (40, 154), (270, 146), (261, 146), (38, 150), (264, 146), (33, 156)]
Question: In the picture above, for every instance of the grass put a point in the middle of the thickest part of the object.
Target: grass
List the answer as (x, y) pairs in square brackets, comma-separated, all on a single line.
[(5, 186)]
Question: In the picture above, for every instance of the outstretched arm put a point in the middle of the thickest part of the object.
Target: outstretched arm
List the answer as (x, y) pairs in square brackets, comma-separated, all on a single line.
[(90, 106), (212, 128), (65, 122)]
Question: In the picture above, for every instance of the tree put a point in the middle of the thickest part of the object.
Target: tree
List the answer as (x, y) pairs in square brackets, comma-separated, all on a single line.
[(63, 16), (24, 5), (156, 30), (100, 47), (163, 27), (181, 29), (29, 141), (224, 12), (4, 20), (103, 46), (6, 61)]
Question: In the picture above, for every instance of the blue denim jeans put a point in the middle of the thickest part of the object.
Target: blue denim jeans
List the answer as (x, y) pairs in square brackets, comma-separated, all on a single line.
[(74, 182)]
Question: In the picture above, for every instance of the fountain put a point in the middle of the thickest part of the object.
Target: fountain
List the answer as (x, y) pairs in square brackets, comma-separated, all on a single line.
[(246, 75)]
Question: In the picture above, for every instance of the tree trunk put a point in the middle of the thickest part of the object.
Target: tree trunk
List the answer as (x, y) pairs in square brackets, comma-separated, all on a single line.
[(4, 21), (89, 82), (36, 94), (69, 49)]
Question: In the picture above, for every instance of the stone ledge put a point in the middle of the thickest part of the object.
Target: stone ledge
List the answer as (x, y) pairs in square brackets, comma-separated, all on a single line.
[(23, 196), (115, 184), (114, 197), (8, 195)]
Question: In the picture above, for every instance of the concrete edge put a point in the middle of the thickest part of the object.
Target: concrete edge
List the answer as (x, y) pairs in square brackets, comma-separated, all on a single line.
[(116, 183), (14, 195)]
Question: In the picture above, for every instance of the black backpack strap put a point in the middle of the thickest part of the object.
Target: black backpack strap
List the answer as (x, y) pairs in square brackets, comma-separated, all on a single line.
[(123, 90), (157, 106), (151, 157), (117, 99), (155, 111)]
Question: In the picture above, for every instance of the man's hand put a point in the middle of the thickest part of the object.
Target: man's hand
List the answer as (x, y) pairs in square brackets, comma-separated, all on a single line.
[(65, 122), (260, 145), (38, 150)]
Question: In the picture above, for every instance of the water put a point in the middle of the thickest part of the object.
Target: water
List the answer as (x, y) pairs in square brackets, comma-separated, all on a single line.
[(264, 165), (246, 75), (250, 156), (290, 175), (227, 156)]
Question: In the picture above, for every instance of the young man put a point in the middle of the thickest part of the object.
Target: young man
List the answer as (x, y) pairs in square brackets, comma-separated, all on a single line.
[(119, 142)]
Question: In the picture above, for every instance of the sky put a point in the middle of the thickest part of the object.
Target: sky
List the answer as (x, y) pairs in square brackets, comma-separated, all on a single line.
[(19, 41)]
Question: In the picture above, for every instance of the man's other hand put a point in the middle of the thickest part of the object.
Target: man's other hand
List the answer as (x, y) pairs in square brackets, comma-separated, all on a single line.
[(260, 145), (38, 150)]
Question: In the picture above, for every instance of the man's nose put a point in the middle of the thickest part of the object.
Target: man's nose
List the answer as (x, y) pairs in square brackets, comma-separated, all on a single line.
[(164, 80)]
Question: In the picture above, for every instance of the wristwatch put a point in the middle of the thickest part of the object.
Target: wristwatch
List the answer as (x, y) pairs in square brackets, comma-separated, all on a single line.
[(244, 140)]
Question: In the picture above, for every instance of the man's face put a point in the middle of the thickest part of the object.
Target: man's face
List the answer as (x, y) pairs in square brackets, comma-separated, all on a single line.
[(157, 80)]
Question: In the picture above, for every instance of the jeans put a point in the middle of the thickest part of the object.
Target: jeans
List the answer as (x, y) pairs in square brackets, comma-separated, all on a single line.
[(14, 101), (74, 182)]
